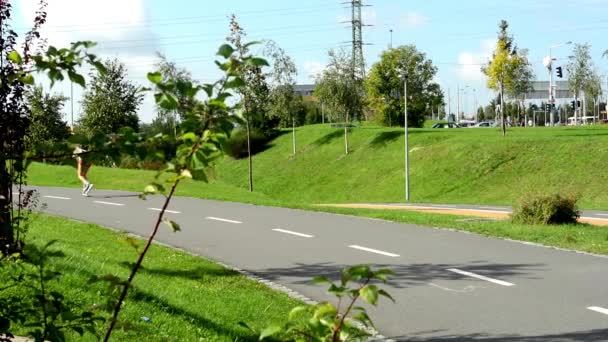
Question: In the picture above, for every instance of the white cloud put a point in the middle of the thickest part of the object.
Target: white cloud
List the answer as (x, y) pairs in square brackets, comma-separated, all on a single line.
[(413, 20), (470, 63), (119, 27), (312, 69)]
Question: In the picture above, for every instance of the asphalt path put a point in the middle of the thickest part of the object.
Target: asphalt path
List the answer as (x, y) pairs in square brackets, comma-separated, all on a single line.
[(449, 285)]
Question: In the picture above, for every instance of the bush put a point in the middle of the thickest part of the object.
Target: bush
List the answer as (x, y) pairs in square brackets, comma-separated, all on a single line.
[(237, 144), (546, 209)]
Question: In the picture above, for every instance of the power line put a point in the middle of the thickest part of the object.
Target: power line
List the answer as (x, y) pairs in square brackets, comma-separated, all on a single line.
[(175, 21)]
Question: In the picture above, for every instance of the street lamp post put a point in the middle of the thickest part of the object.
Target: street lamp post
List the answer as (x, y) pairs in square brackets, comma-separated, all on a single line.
[(551, 87), (391, 44), (407, 162)]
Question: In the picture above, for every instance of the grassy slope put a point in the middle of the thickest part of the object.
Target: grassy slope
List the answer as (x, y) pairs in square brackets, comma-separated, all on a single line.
[(187, 298), (450, 165)]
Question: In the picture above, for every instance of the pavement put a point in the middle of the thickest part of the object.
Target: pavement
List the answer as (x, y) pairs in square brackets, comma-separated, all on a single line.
[(449, 285)]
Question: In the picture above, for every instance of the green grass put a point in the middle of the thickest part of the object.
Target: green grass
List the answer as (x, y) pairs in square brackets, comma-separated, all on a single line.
[(476, 166), (188, 298)]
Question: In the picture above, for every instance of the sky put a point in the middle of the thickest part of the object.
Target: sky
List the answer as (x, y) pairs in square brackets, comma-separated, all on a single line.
[(458, 36)]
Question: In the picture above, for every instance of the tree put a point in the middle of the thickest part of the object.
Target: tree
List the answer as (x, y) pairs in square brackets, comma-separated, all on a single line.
[(580, 70), (17, 70), (385, 86), (341, 94), (522, 84), (111, 101), (480, 114), (282, 87), (593, 88), (167, 121), (255, 91), (46, 126), (503, 68)]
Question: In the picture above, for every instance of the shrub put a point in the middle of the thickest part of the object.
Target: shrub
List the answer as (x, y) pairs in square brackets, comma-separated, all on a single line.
[(546, 209), (237, 144)]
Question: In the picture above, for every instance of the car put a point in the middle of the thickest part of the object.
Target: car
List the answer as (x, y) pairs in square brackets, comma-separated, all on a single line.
[(446, 125), (484, 124)]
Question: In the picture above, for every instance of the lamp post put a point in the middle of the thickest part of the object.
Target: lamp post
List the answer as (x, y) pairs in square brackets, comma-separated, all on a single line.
[(549, 64), (391, 44), (407, 162)]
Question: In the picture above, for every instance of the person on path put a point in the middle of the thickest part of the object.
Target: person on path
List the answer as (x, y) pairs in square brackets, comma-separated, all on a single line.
[(84, 164)]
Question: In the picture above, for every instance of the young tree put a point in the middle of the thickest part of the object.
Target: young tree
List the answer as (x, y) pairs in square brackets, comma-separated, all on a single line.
[(47, 125), (282, 87), (580, 70), (255, 92), (480, 114), (385, 86), (522, 84), (341, 94), (593, 88), (167, 121), (503, 68), (111, 101)]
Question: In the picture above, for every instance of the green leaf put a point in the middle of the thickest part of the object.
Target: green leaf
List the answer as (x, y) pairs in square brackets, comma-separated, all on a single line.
[(369, 293), (363, 317), (385, 294), (15, 57), (236, 82), (76, 78), (383, 274), (225, 51), (28, 79), (256, 61), (321, 280), (150, 189), (296, 311), (255, 42), (270, 331), (173, 225), (155, 77)]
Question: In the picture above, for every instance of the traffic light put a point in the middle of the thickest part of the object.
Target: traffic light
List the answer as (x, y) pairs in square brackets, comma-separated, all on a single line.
[(572, 105), (578, 104), (559, 72), (547, 107)]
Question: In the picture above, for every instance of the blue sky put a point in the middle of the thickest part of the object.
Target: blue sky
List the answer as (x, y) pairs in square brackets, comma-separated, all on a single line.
[(456, 35)]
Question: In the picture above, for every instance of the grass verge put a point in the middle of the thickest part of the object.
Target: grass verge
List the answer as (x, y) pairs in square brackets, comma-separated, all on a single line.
[(187, 298)]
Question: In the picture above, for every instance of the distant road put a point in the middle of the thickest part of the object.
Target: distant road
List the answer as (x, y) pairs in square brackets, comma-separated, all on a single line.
[(450, 286)]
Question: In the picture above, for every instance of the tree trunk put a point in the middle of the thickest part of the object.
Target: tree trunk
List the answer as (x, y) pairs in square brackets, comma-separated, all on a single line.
[(346, 134), (7, 236), (502, 111), (293, 125), (249, 154)]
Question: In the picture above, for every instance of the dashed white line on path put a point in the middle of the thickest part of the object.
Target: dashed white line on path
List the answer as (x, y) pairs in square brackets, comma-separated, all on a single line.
[(598, 309), (167, 211), (293, 233), (469, 274), (392, 255), (58, 197), (222, 220), (110, 203)]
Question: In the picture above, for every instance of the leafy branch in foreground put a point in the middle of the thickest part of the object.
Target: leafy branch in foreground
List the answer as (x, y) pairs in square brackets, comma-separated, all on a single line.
[(325, 322), (201, 140)]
